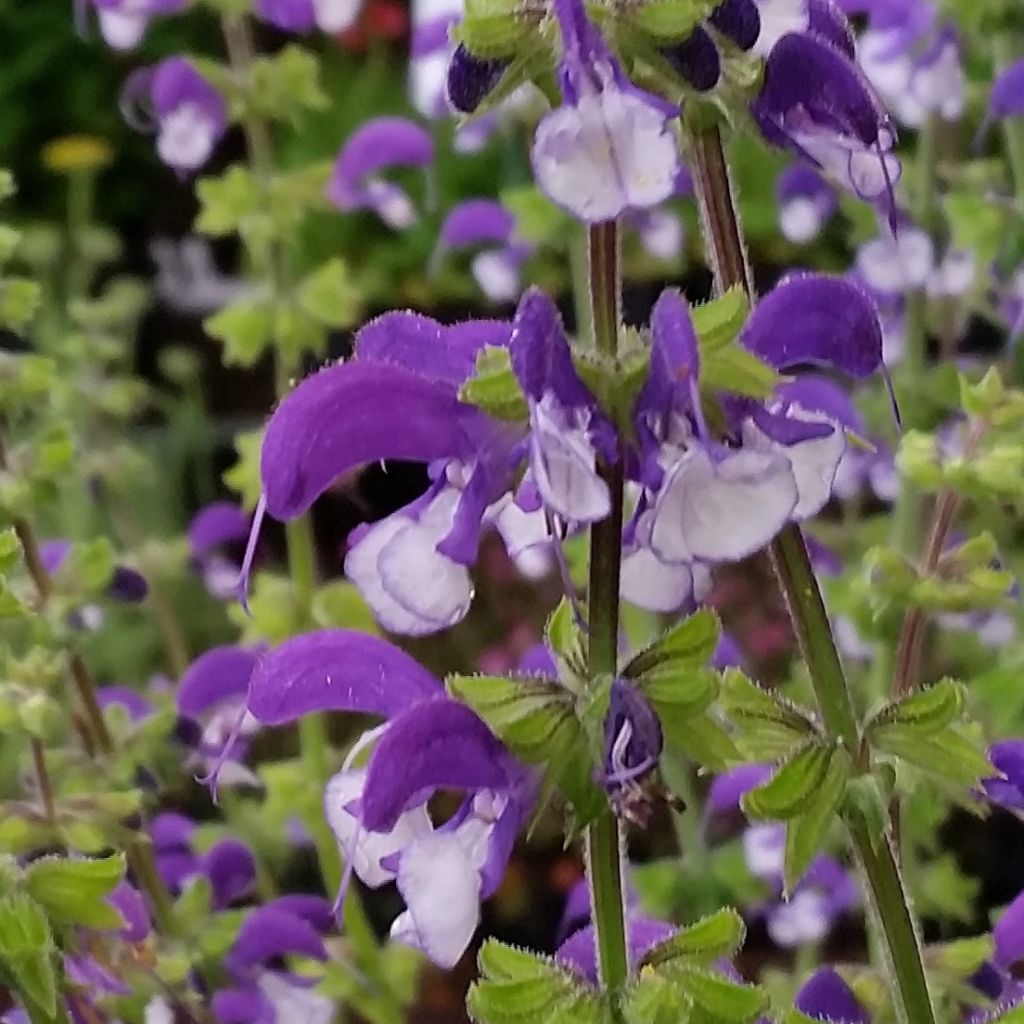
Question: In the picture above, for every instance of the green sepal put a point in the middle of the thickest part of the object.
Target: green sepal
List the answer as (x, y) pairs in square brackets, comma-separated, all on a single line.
[(948, 753), (769, 726), (792, 788), (493, 386), (868, 796), (733, 369), (926, 712), (699, 737), (688, 644), (74, 891), (717, 935), (720, 999), (670, 21), (567, 644), (330, 296), (491, 29), (615, 383), (806, 832), (28, 955), (719, 322), (1014, 1015), (244, 328)]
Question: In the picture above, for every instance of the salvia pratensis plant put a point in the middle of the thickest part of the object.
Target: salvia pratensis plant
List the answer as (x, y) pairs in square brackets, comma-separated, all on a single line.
[(196, 700)]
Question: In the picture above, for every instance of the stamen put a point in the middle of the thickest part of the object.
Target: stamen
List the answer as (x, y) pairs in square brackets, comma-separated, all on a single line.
[(568, 587), (250, 553)]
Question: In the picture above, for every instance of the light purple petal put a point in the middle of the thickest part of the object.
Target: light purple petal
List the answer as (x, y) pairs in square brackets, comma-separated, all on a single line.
[(356, 413), (727, 788), (171, 830), (137, 706), (242, 1006), (816, 319), (336, 670), (128, 902), (477, 222), (220, 674), (287, 15), (216, 524), (435, 745), (675, 360)]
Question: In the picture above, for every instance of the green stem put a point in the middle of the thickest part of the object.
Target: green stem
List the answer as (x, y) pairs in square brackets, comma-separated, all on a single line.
[(1007, 49), (603, 843), (811, 625)]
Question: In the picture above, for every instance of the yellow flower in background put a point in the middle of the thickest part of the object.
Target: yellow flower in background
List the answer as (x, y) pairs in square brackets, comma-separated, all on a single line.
[(71, 153)]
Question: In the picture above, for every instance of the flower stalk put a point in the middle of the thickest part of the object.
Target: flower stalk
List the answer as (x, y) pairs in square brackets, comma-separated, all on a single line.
[(603, 841), (724, 238)]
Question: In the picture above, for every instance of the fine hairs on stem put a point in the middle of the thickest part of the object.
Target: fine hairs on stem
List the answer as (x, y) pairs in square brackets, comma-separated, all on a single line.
[(724, 238)]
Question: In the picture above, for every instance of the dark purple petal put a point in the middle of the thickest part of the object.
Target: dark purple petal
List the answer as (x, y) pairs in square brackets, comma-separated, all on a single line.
[(579, 951), (471, 79), (128, 902), (540, 352), (220, 674), (131, 700), (739, 20), (675, 359), (1008, 92), (812, 318), (436, 745), (231, 869), (629, 716), (696, 58), (476, 222), (216, 524), (314, 909), (1008, 757), (242, 1006), (269, 932), (356, 413), (829, 22), (127, 585), (336, 670), (576, 912), (428, 348), (727, 654), (379, 144), (727, 789), (825, 996)]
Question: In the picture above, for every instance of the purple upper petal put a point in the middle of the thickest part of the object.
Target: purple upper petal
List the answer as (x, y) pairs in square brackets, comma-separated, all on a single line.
[(471, 79), (314, 909), (815, 393), (727, 788), (270, 932), (1009, 935), (579, 951), (437, 745), (825, 19), (825, 996), (428, 348), (336, 670), (540, 352), (1008, 92), (675, 359), (288, 15), (348, 415), (813, 318), (740, 20), (380, 143), (131, 700), (231, 869), (242, 1006), (171, 830), (128, 902), (52, 554), (175, 82), (216, 524), (1008, 757), (476, 222), (216, 676)]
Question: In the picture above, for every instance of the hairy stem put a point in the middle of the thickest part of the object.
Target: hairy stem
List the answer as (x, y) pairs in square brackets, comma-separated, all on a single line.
[(796, 578), (603, 841), (43, 782)]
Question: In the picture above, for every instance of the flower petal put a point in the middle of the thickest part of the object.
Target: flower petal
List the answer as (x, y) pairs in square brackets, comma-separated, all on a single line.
[(825, 996), (336, 670), (222, 673)]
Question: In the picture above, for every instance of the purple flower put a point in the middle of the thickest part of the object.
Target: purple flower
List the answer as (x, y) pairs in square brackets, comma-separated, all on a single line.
[(697, 59), (215, 528), (579, 952), (727, 789), (825, 892), (128, 902), (412, 567), (632, 748), (123, 23), (1006, 790), (806, 202), (470, 79), (378, 808), (429, 53), (777, 18), (816, 103), (137, 706), (608, 148), (378, 145), (1009, 936), (1007, 98), (738, 20), (486, 225), (826, 997), (305, 15), (212, 693)]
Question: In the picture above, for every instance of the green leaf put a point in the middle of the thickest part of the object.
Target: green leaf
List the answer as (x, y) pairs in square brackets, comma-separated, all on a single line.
[(949, 753), (491, 29), (565, 640), (717, 935), (719, 322), (503, 962), (228, 201), (74, 891), (494, 387), (681, 692), (286, 83), (654, 999), (19, 300), (739, 372), (244, 476), (340, 605), (329, 295), (791, 790), (926, 712), (961, 957), (723, 999), (806, 832), (245, 328), (700, 738), (27, 951), (769, 725), (689, 644)]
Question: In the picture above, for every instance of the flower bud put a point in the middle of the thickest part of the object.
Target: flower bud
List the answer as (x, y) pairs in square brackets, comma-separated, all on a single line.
[(696, 58), (471, 79)]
